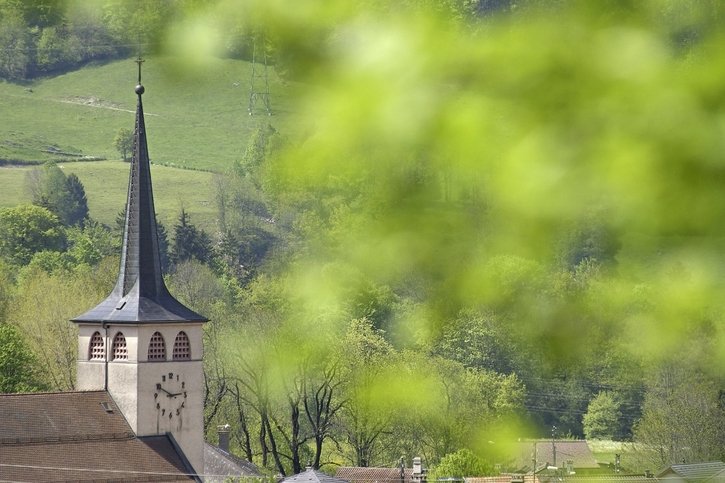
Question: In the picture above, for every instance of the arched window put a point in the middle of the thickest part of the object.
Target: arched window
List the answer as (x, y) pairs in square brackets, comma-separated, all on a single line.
[(96, 350), (157, 348), (182, 349), (119, 352)]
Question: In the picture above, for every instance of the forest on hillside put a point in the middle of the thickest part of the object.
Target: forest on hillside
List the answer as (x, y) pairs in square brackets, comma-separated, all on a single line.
[(503, 222)]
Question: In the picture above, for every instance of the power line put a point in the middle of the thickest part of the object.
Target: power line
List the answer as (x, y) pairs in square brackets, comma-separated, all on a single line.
[(133, 472), (58, 49)]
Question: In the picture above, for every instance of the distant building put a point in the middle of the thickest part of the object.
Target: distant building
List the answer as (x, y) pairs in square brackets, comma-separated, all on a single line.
[(221, 466), (361, 474), (313, 476), (569, 455), (694, 472)]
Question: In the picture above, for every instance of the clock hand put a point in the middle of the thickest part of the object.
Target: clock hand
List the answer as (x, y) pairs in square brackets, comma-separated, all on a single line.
[(167, 392)]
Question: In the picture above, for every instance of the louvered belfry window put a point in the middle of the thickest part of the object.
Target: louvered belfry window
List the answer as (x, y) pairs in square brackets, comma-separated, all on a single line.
[(120, 352), (96, 350), (157, 348), (182, 349)]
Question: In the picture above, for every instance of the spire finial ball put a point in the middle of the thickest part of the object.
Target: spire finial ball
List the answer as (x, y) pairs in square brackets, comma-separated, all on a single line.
[(140, 89)]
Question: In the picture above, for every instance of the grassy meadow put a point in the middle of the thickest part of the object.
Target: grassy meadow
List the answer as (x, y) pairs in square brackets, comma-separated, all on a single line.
[(195, 119), (106, 184)]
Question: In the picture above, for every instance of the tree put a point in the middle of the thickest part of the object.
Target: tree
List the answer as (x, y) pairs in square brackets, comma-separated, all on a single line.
[(43, 307), (76, 210), (365, 419), (7, 286), (478, 341), (591, 238), (460, 464), (26, 230), (46, 185), (195, 284), (63, 195), (15, 39), (50, 49), (683, 418), (18, 371), (123, 142), (258, 148), (91, 244), (601, 420), (322, 402), (189, 242)]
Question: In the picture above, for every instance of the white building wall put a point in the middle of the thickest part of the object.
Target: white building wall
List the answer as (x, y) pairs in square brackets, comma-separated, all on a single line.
[(133, 383)]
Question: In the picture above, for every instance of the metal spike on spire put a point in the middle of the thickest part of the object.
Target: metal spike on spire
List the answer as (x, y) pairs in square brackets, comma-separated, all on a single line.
[(139, 61), (140, 294)]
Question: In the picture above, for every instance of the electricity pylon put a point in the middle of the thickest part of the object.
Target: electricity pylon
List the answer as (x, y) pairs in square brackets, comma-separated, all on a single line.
[(259, 81)]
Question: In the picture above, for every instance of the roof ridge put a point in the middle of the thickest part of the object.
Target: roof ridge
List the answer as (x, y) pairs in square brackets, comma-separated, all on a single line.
[(45, 393), (76, 438)]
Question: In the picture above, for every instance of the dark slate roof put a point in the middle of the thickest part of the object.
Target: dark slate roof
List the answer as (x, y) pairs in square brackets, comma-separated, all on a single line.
[(313, 476), (695, 471), (219, 466), (359, 474), (140, 294), (80, 436)]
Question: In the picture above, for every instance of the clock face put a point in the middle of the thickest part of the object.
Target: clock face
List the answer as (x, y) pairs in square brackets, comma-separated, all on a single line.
[(170, 396)]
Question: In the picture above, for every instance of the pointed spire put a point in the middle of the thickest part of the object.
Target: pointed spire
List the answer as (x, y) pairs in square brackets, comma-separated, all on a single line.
[(140, 294)]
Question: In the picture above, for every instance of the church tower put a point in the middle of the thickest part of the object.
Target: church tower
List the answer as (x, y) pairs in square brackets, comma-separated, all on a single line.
[(141, 344)]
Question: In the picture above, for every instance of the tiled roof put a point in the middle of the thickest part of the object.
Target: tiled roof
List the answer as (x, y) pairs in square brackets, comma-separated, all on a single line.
[(607, 479), (694, 471), (493, 479), (566, 450), (79, 436), (566, 478), (357, 474), (64, 416), (131, 459), (219, 465), (313, 476)]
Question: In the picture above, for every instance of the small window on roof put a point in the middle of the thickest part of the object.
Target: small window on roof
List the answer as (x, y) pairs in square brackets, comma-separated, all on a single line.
[(182, 348), (157, 348), (96, 351)]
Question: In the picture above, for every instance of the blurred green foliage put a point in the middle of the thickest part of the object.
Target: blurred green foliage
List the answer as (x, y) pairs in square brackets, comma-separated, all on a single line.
[(496, 212), (526, 187)]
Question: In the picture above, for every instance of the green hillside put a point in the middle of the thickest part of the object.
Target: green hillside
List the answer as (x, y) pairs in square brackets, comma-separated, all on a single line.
[(196, 120), (106, 183)]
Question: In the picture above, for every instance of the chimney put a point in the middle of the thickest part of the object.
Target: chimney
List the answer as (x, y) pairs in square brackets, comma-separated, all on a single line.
[(418, 471), (417, 466), (224, 431)]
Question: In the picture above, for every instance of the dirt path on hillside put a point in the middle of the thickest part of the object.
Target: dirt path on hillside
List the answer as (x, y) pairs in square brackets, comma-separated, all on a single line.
[(87, 101), (93, 101)]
